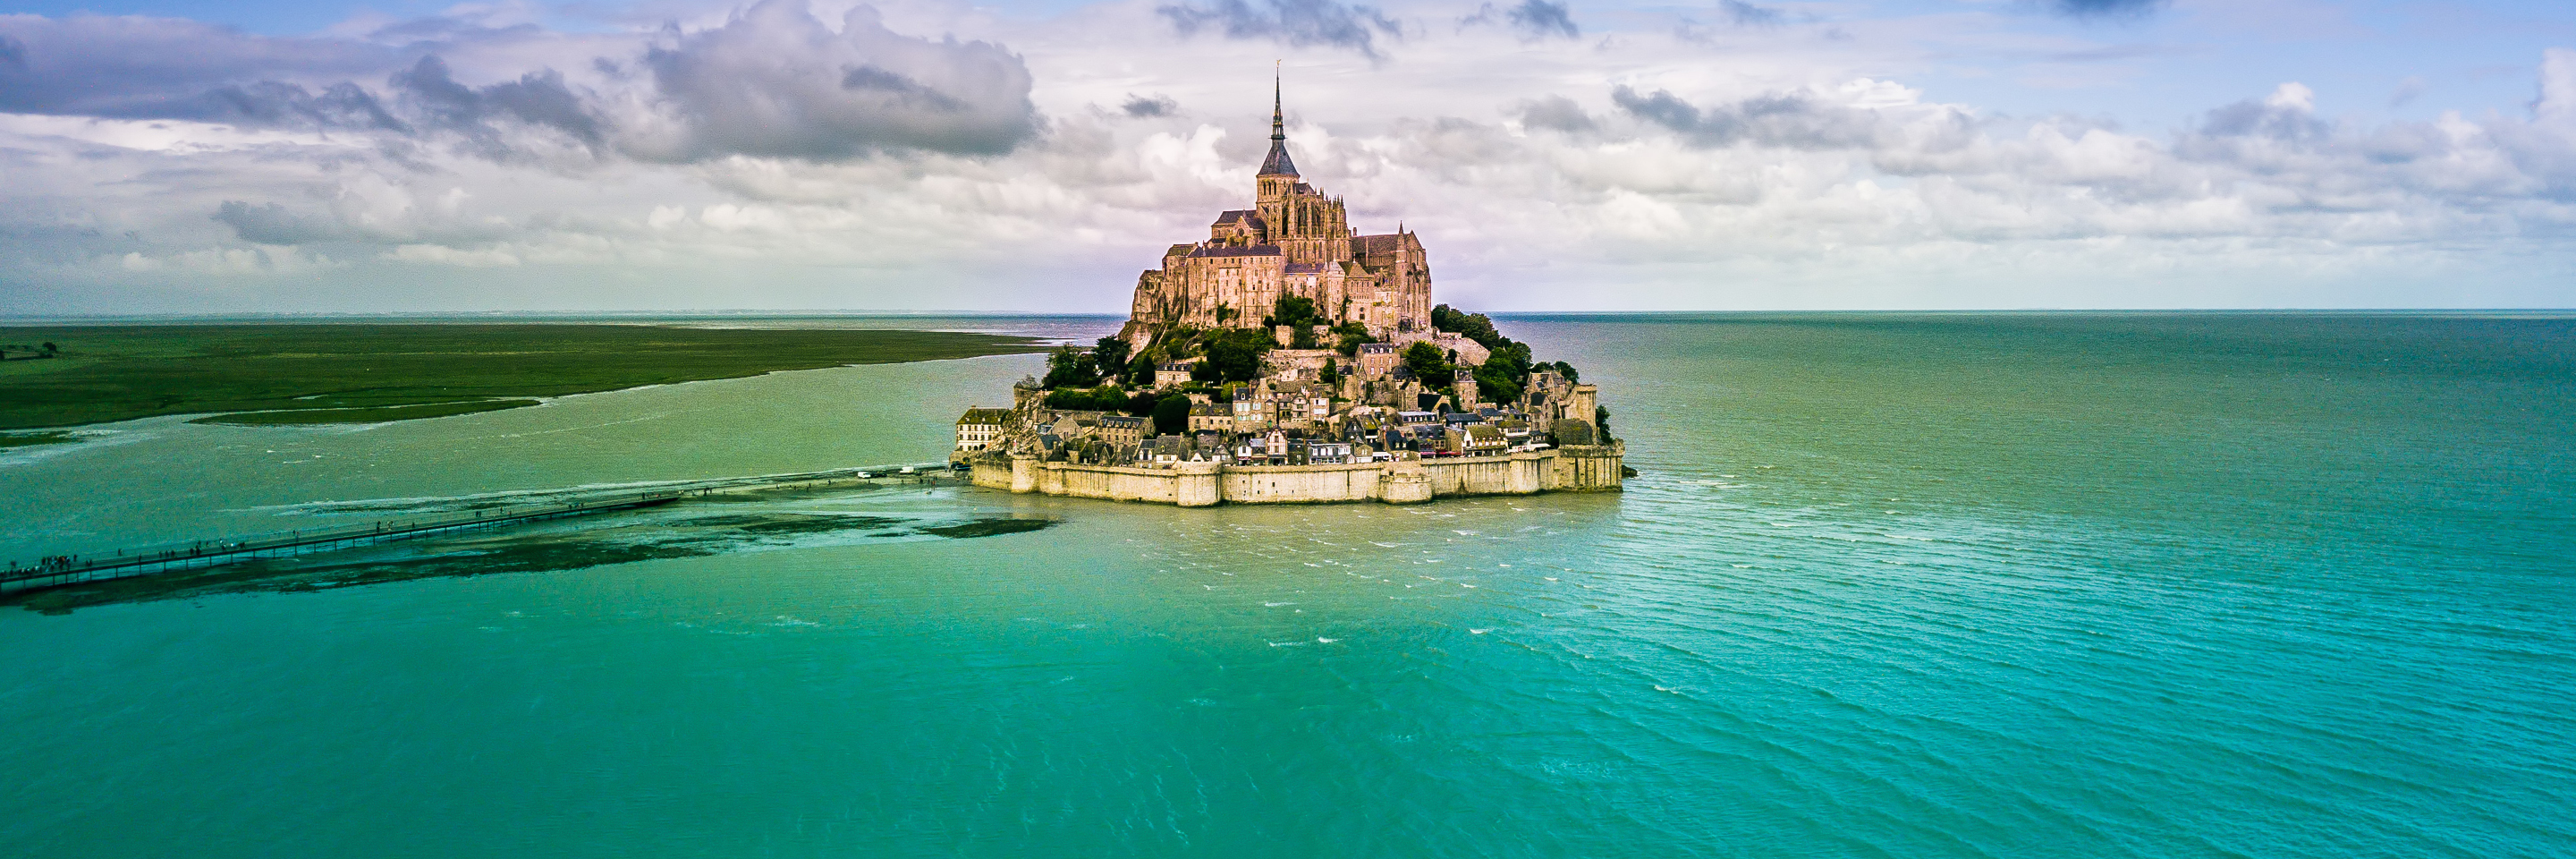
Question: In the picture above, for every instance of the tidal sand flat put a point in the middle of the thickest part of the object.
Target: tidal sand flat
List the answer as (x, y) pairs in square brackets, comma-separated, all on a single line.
[(272, 374)]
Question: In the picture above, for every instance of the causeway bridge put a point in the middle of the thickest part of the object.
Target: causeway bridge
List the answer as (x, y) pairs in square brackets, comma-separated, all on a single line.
[(60, 570)]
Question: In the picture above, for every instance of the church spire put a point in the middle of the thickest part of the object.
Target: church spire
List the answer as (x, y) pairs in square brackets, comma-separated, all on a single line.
[(1277, 164)]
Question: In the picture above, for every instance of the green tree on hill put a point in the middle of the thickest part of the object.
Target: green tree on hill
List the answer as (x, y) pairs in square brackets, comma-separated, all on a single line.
[(1428, 364), (1294, 310), (1141, 403), (1476, 326), (1496, 383), (1067, 368), (1352, 334), (1233, 356), (1172, 415), (1110, 354), (1106, 398)]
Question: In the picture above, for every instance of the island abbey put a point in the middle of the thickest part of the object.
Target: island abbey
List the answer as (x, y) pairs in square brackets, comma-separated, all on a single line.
[(1288, 358), (1293, 242)]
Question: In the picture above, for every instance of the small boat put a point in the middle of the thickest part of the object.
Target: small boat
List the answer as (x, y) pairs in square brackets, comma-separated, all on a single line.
[(908, 470)]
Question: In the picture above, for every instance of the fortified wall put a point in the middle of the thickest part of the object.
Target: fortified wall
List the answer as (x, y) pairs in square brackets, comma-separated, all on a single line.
[(1404, 481)]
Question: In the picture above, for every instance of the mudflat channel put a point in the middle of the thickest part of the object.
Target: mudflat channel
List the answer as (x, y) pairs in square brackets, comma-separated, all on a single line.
[(314, 373)]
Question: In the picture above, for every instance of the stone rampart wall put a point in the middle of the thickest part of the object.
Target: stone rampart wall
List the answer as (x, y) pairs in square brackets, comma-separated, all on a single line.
[(1296, 484), (1588, 468), (1576, 469), (1517, 474)]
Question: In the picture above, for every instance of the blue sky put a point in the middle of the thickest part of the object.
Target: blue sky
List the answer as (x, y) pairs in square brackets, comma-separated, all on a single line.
[(199, 156)]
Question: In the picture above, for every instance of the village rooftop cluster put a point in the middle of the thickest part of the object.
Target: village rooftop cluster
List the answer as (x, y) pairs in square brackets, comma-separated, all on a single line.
[(1418, 396)]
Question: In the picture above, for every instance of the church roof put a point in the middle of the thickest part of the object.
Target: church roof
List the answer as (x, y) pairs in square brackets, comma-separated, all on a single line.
[(1278, 164), (1253, 251)]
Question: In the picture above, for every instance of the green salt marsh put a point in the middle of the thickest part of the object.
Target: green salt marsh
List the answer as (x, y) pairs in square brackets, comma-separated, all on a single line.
[(306, 373)]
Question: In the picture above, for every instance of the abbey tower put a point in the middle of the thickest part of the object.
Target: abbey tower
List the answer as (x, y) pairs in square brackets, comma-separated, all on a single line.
[(1294, 241)]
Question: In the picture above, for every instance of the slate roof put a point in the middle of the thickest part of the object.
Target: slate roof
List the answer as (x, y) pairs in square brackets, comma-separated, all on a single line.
[(1278, 164), (1385, 244), (983, 416), (1253, 251)]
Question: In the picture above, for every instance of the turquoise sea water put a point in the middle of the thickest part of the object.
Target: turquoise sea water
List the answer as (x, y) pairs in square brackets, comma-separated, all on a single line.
[(2166, 585)]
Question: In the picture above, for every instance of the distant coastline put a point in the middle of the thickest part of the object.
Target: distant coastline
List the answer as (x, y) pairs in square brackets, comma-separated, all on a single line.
[(356, 372)]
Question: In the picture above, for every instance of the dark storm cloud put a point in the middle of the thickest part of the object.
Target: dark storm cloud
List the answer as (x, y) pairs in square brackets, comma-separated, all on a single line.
[(272, 224), (2254, 131), (1737, 14), (1294, 22), (1744, 14), (1557, 112), (1789, 121), (156, 68), (1142, 107), (1532, 19), (536, 98), (2102, 8), (1539, 19), (2263, 119), (775, 81)]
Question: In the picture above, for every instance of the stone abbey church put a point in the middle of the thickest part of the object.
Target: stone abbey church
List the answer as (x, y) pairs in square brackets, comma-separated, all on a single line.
[(1293, 241)]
